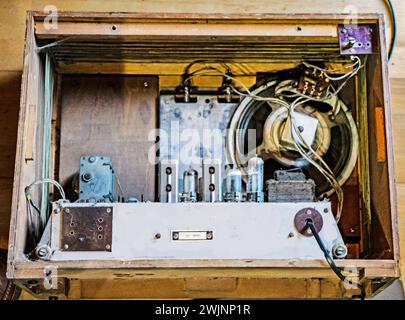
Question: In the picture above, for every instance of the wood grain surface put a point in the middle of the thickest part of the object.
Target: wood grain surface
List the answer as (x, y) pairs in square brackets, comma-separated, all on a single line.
[(89, 126)]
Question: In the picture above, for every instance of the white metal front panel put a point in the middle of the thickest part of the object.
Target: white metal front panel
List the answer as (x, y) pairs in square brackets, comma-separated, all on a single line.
[(239, 231)]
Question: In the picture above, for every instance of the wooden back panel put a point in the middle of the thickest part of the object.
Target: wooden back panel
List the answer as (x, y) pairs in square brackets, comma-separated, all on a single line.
[(110, 116)]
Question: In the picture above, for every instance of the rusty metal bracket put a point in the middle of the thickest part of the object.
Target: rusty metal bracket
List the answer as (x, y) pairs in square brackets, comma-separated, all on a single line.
[(86, 229), (355, 39)]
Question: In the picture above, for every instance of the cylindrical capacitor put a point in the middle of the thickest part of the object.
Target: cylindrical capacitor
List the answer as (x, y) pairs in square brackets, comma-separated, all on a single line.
[(190, 186), (254, 185), (233, 185)]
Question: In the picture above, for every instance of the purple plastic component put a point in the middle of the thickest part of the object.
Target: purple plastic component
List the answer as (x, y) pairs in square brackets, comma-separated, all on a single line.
[(355, 39)]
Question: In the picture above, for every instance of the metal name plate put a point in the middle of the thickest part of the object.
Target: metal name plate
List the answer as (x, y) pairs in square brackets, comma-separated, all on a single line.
[(192, 235)]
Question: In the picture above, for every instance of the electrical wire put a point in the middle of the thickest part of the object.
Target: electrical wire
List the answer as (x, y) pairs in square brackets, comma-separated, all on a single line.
[(205, 62), (390, 7), (46, 181), (206, 71), (33, 226), (34, 206), (330, 261), (119, 186), (322, 167), (355, 68)]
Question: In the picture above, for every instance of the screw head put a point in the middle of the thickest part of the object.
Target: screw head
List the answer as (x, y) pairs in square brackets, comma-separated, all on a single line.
[(326, 210), (108, 210), (175, 236), (158, 236), (92, 159), (107, 246), (291, 235), (209, 235), (66, 246), (67, 210), (339, 251), (146, 84), (42, 252)]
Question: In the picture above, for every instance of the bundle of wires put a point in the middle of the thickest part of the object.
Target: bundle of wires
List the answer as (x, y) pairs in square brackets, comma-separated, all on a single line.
[(34, 221), (302, 147)]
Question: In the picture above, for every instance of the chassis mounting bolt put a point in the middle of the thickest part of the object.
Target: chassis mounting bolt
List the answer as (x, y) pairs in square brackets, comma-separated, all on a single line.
[(339, 251), (42, 252)]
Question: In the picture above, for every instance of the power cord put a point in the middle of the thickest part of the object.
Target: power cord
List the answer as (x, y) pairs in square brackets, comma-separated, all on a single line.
[(388, 3), (330, 261)]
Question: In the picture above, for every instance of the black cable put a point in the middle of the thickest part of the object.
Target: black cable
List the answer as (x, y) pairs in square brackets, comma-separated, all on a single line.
[(34, 206), (330, 261), (388, 3)]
